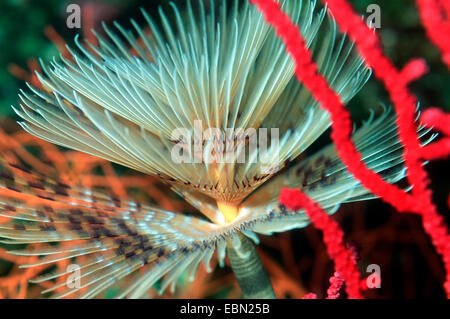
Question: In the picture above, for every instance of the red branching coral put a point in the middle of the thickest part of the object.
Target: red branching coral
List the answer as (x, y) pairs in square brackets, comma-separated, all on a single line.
[(336, 282), (396, 82), (435, 118), (435, 16), (310, 296), (333, 237)]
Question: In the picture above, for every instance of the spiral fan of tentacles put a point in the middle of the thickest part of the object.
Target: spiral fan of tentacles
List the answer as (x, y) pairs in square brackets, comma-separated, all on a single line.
[(224, 67)]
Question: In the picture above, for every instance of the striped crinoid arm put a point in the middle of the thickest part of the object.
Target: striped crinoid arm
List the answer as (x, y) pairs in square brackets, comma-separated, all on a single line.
[(222, 67)]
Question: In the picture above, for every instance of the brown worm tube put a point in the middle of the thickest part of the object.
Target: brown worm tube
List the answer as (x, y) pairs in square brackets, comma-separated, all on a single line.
[(249, 270)]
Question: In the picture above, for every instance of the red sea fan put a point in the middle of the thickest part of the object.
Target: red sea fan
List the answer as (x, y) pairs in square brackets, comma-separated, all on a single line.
[(396, 82)]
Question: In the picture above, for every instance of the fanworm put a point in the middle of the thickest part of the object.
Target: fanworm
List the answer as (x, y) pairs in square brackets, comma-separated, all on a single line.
[(258, 64)]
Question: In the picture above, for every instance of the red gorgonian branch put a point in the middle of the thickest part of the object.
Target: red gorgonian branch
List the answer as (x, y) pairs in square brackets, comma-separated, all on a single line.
[(396, 82), (333, 237), (435, 17), (435, 118)]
